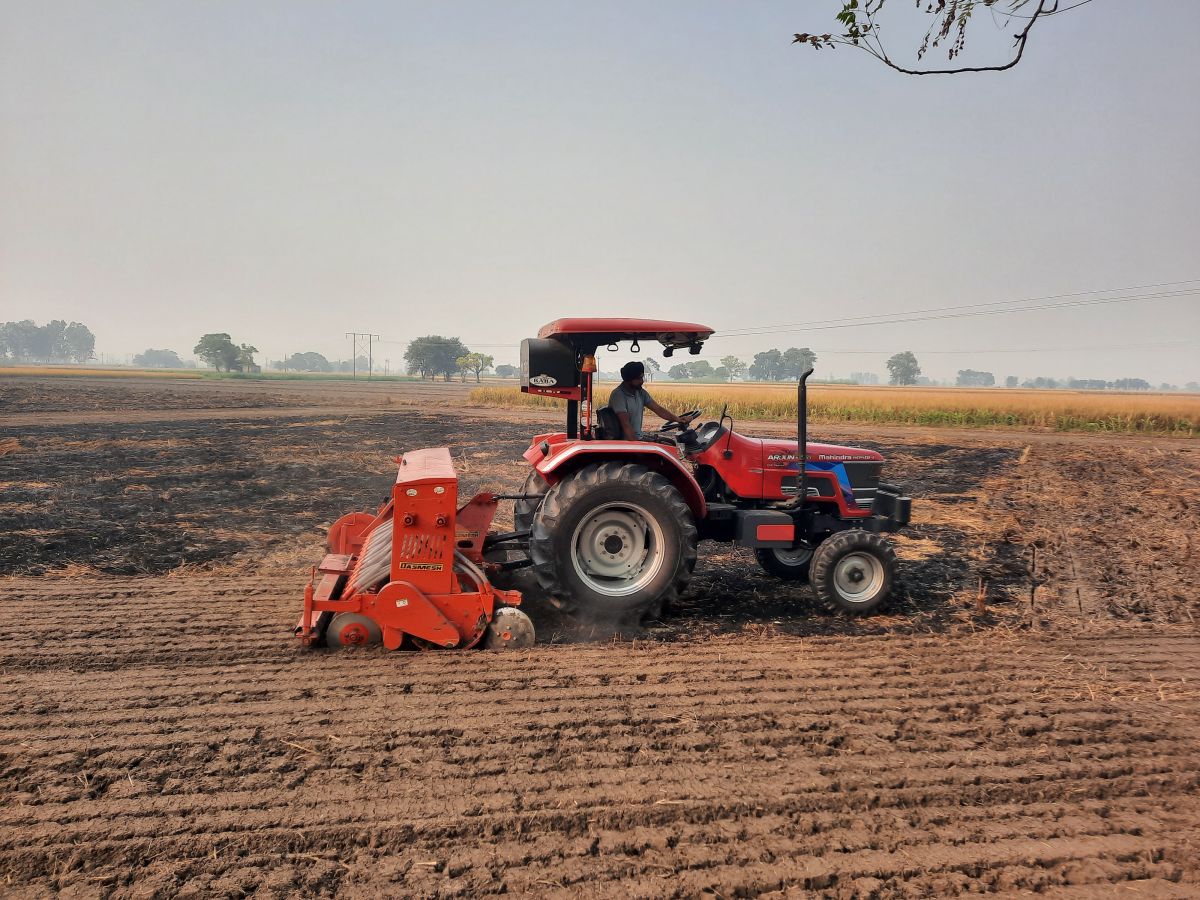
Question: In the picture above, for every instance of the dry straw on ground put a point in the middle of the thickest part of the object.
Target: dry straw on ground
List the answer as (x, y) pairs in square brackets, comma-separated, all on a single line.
[(95, 372)]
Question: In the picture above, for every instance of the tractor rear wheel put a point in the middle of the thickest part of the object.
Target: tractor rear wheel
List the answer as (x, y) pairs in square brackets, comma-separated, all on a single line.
[(789, 564), (535, 488), (613, 542), (852, 572)]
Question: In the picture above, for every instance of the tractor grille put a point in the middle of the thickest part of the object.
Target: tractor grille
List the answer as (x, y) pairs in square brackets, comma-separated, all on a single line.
[(375, 562)]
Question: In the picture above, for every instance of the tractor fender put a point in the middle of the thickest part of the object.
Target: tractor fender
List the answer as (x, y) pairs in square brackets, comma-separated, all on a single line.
[(557, 466)]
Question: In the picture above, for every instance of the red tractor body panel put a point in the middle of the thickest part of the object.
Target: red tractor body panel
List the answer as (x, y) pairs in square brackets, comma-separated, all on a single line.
[(767, 469)]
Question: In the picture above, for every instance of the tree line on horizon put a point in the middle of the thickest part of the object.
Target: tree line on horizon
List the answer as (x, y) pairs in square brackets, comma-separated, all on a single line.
[(55, 342), (433, 356)]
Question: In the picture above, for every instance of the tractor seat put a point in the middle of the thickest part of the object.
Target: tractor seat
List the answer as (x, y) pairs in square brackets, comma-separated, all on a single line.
[(608, 426)]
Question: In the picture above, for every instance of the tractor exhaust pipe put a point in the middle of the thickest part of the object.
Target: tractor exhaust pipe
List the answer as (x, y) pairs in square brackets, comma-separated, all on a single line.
[(802, 437)]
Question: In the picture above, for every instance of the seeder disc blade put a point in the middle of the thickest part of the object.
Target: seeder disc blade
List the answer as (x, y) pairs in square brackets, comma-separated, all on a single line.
[(510, 629), (353, 630)]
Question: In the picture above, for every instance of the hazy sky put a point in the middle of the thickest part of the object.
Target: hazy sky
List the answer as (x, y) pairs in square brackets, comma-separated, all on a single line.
[(291, 171)]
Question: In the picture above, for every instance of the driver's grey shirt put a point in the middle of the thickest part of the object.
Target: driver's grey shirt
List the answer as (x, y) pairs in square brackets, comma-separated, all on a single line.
[(633, 403)]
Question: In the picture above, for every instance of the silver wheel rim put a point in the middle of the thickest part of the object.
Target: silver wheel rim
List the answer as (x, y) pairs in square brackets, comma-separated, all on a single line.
[(858, 577), (797, 556), (618, 549)]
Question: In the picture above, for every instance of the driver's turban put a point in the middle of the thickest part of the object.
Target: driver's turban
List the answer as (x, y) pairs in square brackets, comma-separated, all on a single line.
[(633, 369)]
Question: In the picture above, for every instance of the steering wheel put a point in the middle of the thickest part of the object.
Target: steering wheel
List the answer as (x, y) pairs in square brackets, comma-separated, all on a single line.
[(675, 426)]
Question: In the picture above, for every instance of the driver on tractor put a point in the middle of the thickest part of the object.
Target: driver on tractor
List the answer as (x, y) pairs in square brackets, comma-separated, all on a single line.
[(629, 400)]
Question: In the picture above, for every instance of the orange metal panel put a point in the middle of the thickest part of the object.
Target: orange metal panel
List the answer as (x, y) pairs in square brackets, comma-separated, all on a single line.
[(402, 607), (424, 501), (431, 465)]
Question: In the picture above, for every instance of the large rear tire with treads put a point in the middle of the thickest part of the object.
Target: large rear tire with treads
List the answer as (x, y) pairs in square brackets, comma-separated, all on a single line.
[(535, 487), (613, 542)]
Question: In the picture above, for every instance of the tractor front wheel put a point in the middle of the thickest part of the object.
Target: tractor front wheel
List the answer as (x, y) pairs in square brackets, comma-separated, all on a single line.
[(852, 572), (613, 542)]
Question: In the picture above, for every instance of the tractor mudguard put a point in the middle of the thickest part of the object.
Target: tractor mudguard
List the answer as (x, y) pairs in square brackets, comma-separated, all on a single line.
[(564, 457)]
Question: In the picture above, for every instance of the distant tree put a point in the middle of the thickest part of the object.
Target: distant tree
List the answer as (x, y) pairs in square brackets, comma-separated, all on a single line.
[(949, 20), (699, 369), (476, 363), (767, 366), (358, 364), (1193, 386), (1043, 383), (1131, 384), (1168, 387), (734, 368), (904, 368), (652, 367), (56, 341), (1087, 384), (864, 378), (218, 351), (245, 359), (50, 342), (972, 378), (722, 373), (309, 361), (80, 342), (434, 355), (19, 338), (1011, 381), (679, 372), (159, 359), (797, 361), (507, 371)]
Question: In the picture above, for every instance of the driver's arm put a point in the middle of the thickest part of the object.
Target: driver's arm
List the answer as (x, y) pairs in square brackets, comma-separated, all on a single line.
[(663, 413), (626, 426)]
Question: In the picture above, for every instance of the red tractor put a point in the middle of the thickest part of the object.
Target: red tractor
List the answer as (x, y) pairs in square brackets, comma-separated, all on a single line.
[(610, 526)]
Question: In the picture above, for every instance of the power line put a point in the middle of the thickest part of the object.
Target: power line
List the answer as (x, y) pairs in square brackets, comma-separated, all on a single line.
[(980, 352), (885, 318), (1074, 299), (1166, 295)]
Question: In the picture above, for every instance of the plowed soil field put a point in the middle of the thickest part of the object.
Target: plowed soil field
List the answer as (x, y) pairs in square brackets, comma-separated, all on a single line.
[(1011, 725)]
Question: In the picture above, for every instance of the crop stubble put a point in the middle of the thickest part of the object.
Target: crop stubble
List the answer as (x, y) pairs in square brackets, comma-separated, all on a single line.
[(163, 735)]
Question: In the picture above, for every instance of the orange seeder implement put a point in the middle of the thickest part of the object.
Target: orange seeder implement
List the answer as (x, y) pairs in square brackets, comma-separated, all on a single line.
[(414, 570)]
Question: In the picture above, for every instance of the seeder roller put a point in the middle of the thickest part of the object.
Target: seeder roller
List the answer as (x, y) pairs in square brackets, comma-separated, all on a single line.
[(413, 574)]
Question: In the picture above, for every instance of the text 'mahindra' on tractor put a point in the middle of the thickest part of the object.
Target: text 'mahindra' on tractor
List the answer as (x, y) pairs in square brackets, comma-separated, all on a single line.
[(413, 573)]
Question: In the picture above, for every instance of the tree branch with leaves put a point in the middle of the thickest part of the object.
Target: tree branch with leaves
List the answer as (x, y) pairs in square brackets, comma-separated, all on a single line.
[(859, 20)]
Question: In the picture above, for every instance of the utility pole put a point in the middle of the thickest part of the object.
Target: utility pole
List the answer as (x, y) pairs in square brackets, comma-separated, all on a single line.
[(357, 339)]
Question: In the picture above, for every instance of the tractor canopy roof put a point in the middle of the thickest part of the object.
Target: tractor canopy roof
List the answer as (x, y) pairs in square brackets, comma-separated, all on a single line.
[(587, 334)]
